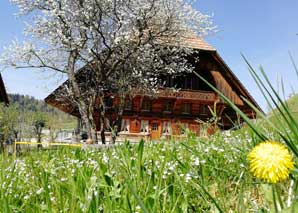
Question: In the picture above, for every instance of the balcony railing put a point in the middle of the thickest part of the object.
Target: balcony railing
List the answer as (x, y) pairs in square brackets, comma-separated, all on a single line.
[(183, 94)]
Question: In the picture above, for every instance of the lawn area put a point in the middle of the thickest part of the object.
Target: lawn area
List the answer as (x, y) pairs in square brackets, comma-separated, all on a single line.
[(194, 175)]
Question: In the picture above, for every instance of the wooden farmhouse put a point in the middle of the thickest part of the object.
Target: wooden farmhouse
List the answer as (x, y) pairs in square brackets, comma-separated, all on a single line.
[(170, 112), (3, 94)]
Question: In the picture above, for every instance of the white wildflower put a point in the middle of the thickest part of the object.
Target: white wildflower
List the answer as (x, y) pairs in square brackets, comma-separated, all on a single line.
[(197, 162), (63, 179), (187, 177), (39, 191)]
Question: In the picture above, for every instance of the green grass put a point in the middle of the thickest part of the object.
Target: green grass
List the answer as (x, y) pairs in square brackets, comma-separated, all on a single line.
[(195, 175), (70, 124), (65, 122)]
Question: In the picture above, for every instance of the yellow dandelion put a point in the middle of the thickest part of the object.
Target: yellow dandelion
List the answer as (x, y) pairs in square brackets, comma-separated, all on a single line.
[(270, 161)]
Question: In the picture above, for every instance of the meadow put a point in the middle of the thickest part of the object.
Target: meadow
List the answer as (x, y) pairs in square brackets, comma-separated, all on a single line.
[(252, 169), (193, 175)]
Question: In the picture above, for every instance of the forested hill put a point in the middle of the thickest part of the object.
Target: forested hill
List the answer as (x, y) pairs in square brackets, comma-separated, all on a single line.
[(30, 104)]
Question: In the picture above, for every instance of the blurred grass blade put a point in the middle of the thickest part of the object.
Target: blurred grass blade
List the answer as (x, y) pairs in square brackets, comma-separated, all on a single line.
[(137, 197), (236, 109), (201, 186), (293, 63), (276, 129), (279, 104)]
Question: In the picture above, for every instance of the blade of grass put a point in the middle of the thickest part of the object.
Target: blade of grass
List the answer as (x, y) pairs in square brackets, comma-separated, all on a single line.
[(231, 104), (276, 129), (293, 63)]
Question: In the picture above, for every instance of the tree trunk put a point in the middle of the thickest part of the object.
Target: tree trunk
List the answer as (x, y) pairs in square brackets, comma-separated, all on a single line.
[(118, 122), (117, 125), (102, 118), (39, 146), (85, 109), (91, 131), (17, 138), (91, 120), (2, 148), (102, 130)]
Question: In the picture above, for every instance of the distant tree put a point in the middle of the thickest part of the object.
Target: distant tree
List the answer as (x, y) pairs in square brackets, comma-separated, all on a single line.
[(28, 105), (53, 127), (4, 131), (26, 117), (125, 44), (10, 123), (39, 123)]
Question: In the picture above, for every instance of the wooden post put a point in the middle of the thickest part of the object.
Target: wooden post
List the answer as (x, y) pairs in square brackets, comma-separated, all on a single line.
[(15, 148)]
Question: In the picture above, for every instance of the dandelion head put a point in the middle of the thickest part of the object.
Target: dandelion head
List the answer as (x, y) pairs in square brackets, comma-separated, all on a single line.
[(270, 161)]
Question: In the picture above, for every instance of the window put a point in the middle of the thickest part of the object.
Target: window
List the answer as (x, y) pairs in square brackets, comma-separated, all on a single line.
[(204, 110), (187, 83), (108, 102), (186, 108), (179, 82), (166, 128), (183, 127), (154, 126), (196, 83), (147, 105), (168, 106), (107, 124), (168, 81), (144, 126), (128, 104), (125, 125)]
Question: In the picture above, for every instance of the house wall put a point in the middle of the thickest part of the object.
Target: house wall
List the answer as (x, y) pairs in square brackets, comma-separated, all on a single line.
[(162, 120), (193, 91)]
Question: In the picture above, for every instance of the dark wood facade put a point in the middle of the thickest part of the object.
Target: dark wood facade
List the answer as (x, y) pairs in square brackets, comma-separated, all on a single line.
[(3, 94), (169, 112)]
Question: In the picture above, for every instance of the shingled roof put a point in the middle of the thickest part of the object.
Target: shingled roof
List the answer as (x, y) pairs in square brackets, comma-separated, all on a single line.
[(197, 43)]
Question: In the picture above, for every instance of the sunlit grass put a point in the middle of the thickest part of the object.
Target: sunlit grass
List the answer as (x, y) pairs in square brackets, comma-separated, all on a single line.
[(192, 175), (207, 174)]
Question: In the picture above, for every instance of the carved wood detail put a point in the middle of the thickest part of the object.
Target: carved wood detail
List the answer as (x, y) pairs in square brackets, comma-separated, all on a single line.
[(194, 95)]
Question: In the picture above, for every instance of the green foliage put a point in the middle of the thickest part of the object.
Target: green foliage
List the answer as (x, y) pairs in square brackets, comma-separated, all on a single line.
[(29, 103), (9, 123), (25, 117), (195, 175), (56, 118), (39, 122)]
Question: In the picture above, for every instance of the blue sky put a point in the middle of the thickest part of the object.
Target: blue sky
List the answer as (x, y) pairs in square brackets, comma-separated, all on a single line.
[(264, 31)]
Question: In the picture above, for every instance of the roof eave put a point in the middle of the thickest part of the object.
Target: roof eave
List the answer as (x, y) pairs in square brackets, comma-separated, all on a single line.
[(3, 92), (240, 86)]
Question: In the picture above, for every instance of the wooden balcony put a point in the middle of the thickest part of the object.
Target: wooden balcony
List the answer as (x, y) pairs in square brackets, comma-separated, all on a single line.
[(188, 94)]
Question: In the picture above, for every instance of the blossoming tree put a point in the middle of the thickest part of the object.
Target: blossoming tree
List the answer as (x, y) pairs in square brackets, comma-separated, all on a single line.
[(122, 44)]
